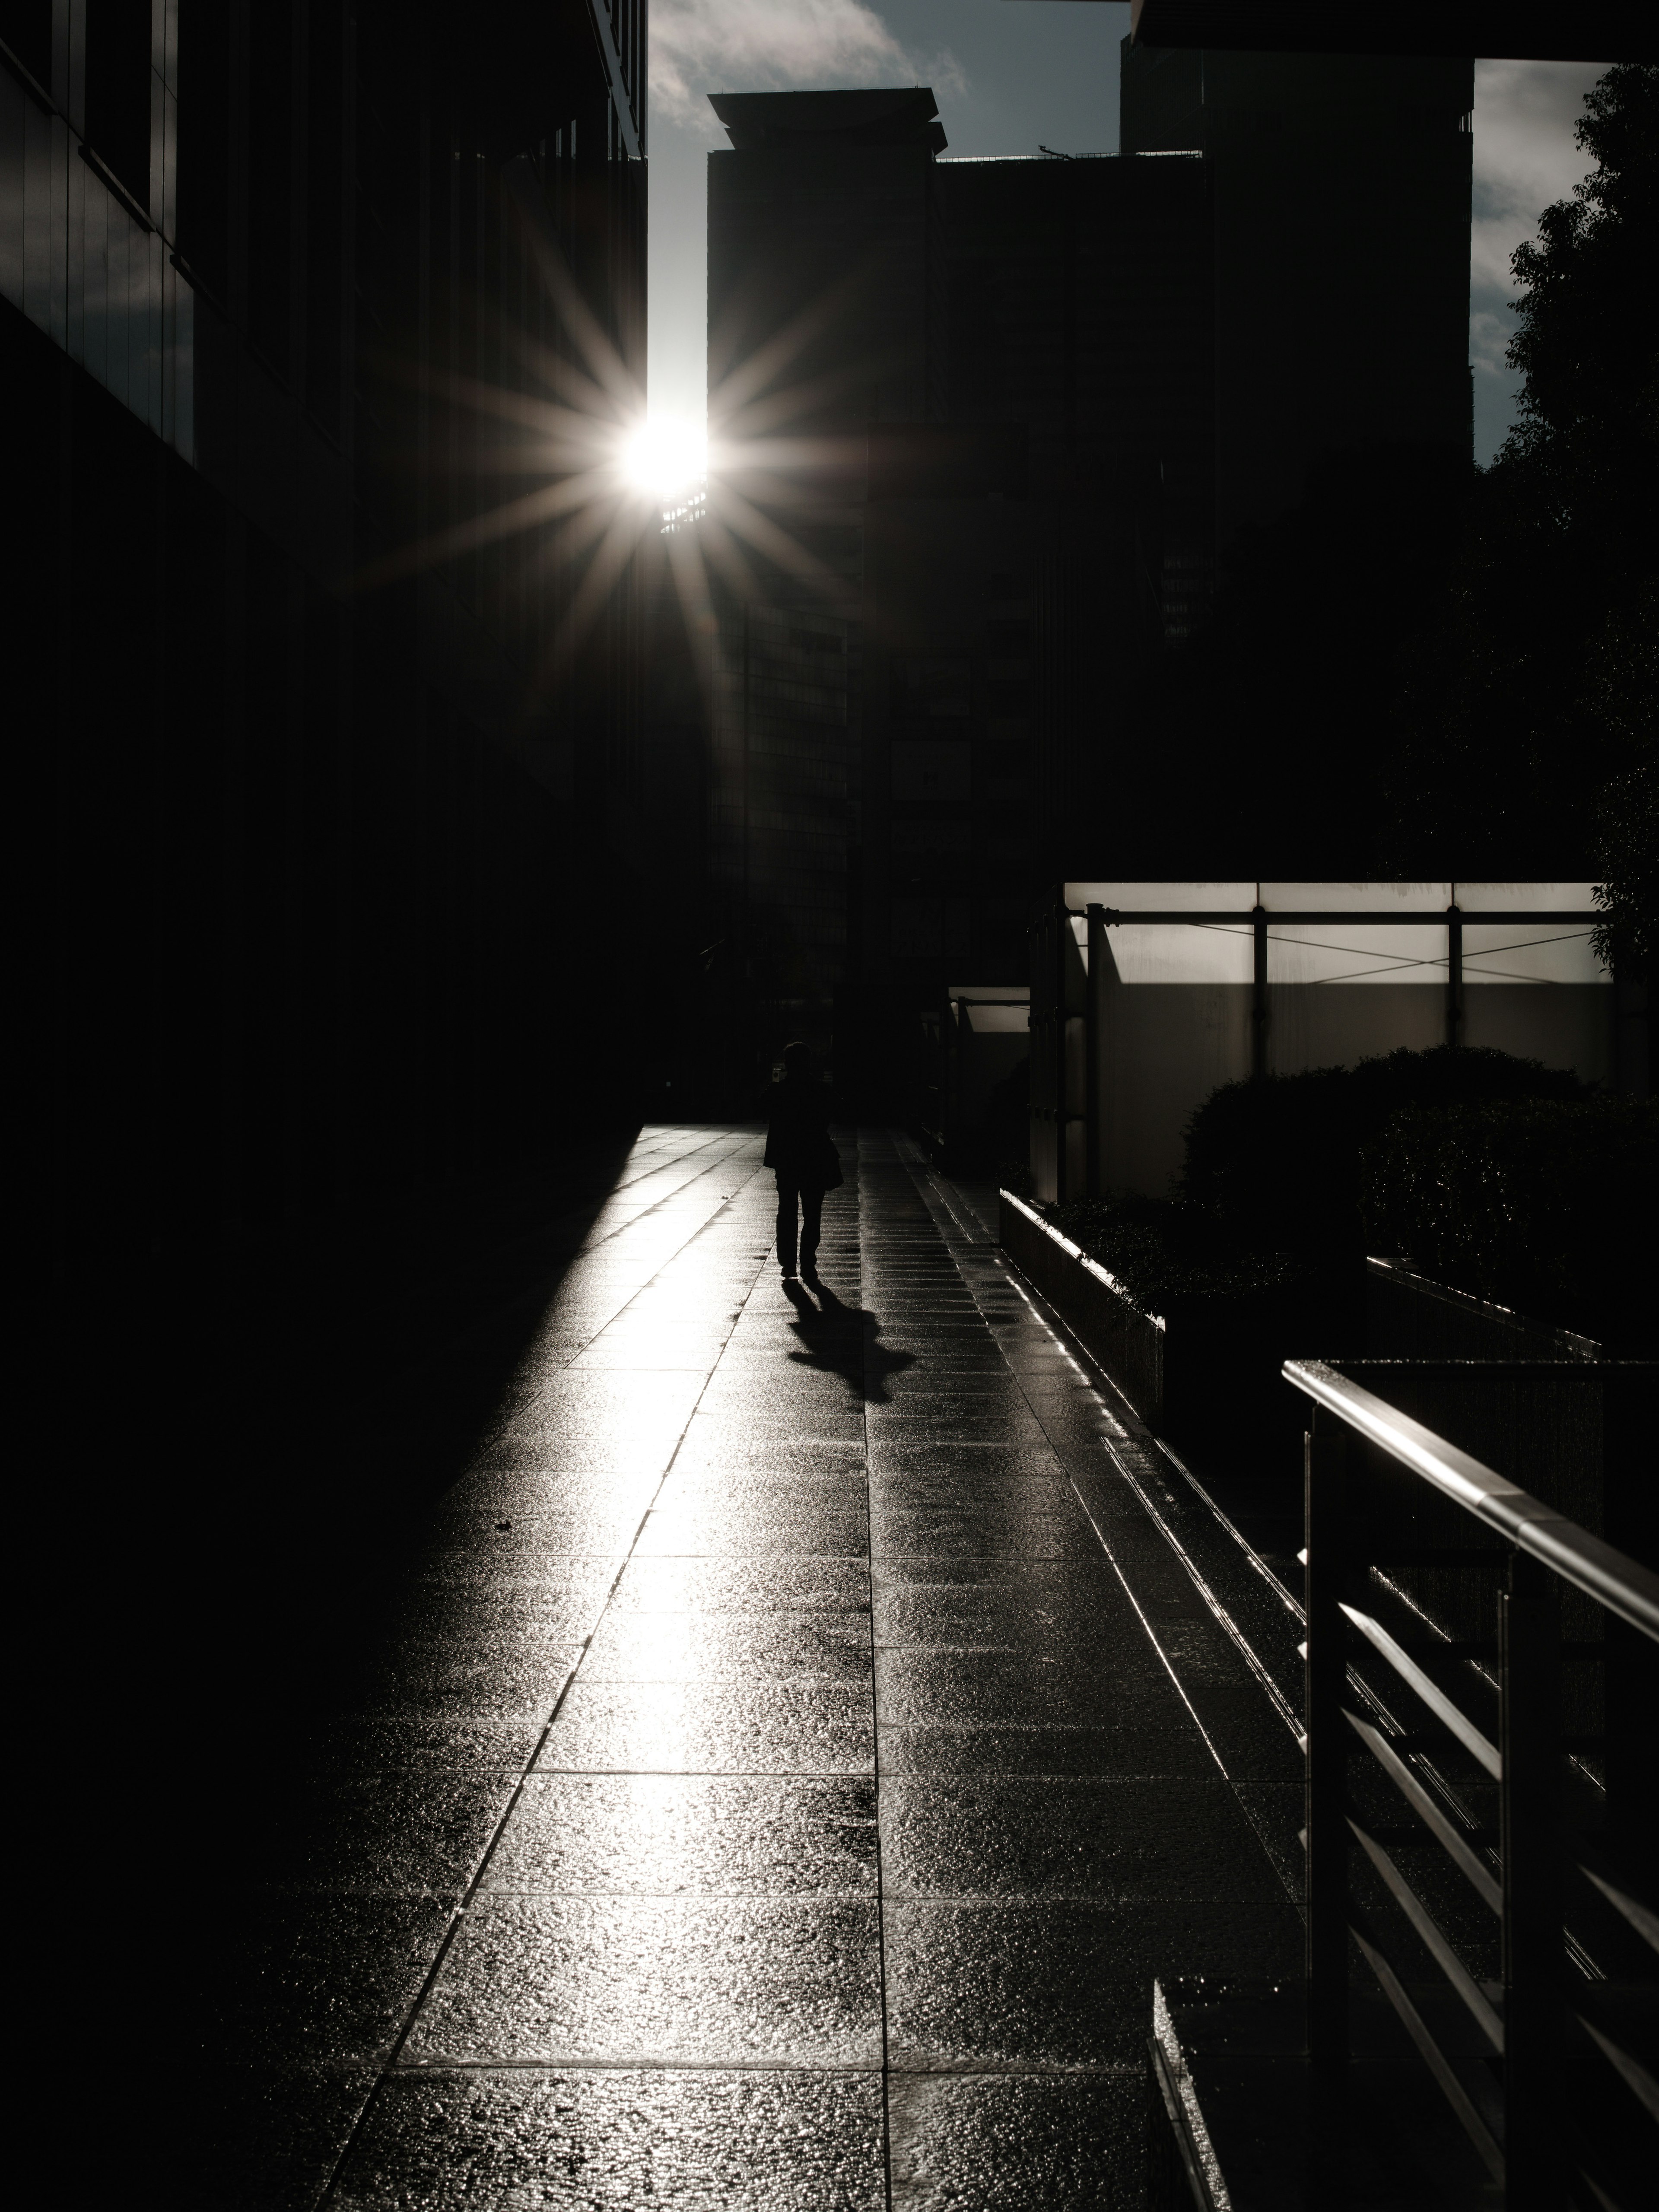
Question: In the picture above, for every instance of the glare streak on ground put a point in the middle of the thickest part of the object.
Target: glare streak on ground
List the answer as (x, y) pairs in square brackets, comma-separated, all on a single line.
[(795, 1752)]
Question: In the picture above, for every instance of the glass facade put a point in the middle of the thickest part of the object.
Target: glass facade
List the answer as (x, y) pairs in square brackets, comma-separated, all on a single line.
[(87, 244), (321, 319)]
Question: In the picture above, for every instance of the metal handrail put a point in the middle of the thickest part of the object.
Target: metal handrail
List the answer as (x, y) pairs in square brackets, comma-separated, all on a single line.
[(1614, 1580), (1411, 918)]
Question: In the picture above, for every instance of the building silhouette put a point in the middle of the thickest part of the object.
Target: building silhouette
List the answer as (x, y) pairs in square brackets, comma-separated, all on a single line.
[(1341, 186), (1000, 418), (1081, 312), (962, 410), (826, 276), (319, 321), (827, 314)]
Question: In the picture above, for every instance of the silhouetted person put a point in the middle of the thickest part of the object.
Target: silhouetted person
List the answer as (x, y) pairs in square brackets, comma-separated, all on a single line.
[(799, 1147)]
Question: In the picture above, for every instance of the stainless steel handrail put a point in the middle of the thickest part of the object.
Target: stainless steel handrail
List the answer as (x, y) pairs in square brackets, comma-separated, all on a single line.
[(1614, 1580), (1413, 918)]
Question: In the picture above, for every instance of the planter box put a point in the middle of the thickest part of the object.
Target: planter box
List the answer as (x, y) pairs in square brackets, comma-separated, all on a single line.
[(1128, 1343), (1409, 1317), (1206, 1370), (1227, 2110)]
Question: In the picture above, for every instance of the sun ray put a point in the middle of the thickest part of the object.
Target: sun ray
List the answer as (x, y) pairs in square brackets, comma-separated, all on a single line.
[(770, 538), (604, 363), (728, 561), (618, 539), (513, 515)]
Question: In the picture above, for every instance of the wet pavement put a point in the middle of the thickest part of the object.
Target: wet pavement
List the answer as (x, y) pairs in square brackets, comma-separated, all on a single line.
[(781, 1763)]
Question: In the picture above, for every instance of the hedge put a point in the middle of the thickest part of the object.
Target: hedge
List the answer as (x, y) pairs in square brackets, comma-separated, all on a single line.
[(1547, 1208), (1276, 1162), (1168, 1254)]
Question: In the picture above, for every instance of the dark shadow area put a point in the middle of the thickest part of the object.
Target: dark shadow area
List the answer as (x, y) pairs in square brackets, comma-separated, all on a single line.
[(346, 1386), (1370, 545), (352, 1375), (844, 1341)]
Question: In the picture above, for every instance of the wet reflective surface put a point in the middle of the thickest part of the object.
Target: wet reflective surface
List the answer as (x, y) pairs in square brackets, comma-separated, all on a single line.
[(785, 1762)]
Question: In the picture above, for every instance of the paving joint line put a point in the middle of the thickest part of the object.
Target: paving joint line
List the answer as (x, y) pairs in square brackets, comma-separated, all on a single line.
[(1131, 1426), (1128, 1428), (875, 1723), (458, 1915), (1009, 1272)]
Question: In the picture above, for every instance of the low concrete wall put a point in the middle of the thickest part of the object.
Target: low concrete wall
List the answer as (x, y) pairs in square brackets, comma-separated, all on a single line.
[(1209, 1372), (1128, 1343)]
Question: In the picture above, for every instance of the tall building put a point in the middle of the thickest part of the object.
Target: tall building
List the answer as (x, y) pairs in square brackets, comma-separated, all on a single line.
[(962, 411), (827, 314), (1341, 188), (1081, 302), (826, 271), (320, 321), (1000, 419)]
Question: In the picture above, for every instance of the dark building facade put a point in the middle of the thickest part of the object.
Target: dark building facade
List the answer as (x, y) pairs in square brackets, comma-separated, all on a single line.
[(963, 411), (1537, 30), (1081, 314), (1341, 189), (1004, 418), (827, 315), (827, 301), (321, 319)]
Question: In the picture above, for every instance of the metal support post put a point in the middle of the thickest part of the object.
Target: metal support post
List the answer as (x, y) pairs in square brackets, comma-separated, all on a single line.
[(1093, 1016), (947, 1072), (1325, 1510), (1530, 1637), (1453, 974), (1259, 992), (1062, 1091)]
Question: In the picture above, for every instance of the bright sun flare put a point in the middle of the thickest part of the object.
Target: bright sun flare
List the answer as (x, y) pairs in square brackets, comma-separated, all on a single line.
[(667, 455)]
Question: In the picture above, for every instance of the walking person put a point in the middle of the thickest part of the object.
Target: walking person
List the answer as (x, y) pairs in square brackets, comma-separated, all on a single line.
[(799, 1147)]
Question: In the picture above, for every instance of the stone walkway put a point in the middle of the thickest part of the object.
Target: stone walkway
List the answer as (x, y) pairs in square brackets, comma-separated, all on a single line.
[(795, 1749)]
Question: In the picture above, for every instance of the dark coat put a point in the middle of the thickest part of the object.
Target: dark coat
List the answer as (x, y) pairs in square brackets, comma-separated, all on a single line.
[(798, 1140)]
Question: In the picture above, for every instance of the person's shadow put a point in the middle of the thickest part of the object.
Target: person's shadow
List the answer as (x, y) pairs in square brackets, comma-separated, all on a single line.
[(844, 1341)]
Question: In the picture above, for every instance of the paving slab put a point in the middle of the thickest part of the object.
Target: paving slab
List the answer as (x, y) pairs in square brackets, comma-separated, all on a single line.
[(791, 1748)]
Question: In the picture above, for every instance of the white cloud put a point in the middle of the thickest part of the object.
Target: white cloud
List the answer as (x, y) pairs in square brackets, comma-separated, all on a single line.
[(699, 46), (1524, 155), (1490, 333)]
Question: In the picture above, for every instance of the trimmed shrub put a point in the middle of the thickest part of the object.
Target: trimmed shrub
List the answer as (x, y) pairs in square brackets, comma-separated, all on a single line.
[(1210, 1377), (1277, 1162), (1168, 1254), (1494, 1173), (1544, 1206)]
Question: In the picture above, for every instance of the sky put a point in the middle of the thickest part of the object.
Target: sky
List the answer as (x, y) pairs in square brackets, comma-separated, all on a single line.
[(1010, 75)]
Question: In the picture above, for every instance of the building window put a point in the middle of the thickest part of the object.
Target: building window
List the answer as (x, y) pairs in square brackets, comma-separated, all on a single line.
[(118, 91), (926, 768), (931, 929), (932, 689)]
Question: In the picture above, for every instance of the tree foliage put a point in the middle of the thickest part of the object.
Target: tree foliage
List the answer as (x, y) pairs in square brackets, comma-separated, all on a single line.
[(1530, 699), (1585, 324), (1540, 1205)]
